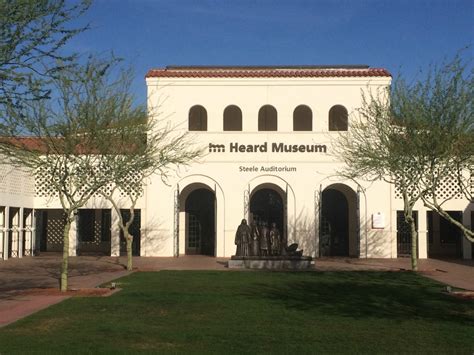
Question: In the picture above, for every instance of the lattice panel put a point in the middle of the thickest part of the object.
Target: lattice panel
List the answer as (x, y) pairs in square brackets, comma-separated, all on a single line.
[(97, 231), (55, 229), (134, 180), (448, 189), (15, 181), (106, 190), (43, 187)]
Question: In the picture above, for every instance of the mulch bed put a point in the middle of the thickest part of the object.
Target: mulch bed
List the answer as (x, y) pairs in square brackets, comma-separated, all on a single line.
[(80, 292)]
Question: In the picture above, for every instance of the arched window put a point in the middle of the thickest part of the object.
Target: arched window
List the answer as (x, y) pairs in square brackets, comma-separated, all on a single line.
[(197, 118), (302, 118), (267, 118), (338, 118), (232, 118)]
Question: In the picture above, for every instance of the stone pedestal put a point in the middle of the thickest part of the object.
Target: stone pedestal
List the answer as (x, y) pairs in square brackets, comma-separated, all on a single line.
[(271, 262)]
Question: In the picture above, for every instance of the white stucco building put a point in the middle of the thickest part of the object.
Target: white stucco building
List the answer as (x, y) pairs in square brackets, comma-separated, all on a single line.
[(267, 132)]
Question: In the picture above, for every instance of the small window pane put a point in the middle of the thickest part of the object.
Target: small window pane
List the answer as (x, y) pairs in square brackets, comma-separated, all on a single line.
[(197, 118), (302, 119), (338, 118), (232, 118), (267, 118)]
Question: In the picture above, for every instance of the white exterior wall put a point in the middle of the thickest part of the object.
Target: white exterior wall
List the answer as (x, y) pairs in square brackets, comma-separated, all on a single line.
[(16, 195), (221, 171), (18, 202)]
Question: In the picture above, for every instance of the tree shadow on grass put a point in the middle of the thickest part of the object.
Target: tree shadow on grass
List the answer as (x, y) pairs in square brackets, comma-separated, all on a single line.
[(392, 295)]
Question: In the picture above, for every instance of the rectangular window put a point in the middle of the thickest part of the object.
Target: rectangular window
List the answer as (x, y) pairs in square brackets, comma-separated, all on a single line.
[(106, 223), (449, 232), (86, 225)]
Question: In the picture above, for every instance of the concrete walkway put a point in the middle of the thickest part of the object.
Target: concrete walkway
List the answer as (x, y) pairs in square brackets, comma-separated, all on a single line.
[(19, 275)]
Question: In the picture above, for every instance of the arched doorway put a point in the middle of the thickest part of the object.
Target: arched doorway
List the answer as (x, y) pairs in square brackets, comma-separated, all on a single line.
[(200, 222), (338, 224), (267, 206)]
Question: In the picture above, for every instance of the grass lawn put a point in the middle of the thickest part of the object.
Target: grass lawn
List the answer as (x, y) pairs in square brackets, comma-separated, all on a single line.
[(254, 312)]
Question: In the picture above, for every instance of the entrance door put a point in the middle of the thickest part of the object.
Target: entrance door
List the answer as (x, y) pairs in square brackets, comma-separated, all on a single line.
[(445, 238), (404, 234), (266, 205), (334, 238), (200, 222)]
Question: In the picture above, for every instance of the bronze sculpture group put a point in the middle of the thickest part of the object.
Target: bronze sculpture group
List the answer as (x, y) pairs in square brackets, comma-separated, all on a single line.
[(258, 240)]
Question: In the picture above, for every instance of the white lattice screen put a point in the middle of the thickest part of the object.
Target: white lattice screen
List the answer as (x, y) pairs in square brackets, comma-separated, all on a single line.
[(448, 189), (55, 227), (16, 181), (43, 188)]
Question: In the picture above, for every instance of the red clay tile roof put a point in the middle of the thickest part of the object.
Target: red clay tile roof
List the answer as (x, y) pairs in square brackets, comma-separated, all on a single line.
[(55, 145), (26, 143), (268, 72)]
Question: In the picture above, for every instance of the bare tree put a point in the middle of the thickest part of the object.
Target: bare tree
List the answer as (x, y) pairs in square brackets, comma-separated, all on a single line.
[(415, 136)]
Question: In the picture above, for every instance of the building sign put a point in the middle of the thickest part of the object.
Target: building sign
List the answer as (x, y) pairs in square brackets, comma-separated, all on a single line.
[(378, 220), (267, 169), (265, 147)]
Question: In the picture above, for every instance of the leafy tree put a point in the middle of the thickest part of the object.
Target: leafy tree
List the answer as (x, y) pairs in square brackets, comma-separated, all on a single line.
[(32, 34), (443, 106), (66, 140), (415, 136), (161, 149)]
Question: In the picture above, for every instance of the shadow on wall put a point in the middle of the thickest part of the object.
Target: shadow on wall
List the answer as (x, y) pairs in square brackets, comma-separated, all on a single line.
[(303, 232), (156, 239), (373, 242)]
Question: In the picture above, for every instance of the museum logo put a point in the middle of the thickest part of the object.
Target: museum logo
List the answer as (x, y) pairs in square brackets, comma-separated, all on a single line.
[(265, 148)]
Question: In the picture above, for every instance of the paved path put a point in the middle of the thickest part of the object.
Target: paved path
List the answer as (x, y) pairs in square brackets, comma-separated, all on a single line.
[(19, 275)]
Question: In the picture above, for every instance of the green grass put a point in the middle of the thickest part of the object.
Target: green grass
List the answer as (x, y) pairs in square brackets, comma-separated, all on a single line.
[(254, 312)]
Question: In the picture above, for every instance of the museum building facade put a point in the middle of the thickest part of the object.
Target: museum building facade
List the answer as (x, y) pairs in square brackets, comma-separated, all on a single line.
[(267, 134)]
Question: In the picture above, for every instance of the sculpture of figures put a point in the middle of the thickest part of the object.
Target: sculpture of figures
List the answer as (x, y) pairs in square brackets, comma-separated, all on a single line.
[(264, 242), (242, 239), (275, 240), (254, 240)]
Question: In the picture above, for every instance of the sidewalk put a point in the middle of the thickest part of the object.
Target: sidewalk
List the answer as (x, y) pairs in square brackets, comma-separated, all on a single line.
[(19, 275)]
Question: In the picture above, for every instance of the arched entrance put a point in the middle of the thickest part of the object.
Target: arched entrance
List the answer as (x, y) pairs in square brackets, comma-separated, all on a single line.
[(338, 225), (200, 222), (267, 205)]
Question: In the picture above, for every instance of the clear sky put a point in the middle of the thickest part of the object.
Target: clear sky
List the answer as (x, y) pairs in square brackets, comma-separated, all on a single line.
[(399, 35)]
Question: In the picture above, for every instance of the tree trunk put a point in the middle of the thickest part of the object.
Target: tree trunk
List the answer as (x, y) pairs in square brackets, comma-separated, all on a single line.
[(129, 239), (65, 262)]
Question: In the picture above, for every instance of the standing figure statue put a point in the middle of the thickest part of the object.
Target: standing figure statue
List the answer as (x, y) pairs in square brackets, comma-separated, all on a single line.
[(254, 240), (264, 239), (242, 239), (275, 240)]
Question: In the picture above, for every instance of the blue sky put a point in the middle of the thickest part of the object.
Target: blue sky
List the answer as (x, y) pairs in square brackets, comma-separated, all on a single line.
[(399, 35)]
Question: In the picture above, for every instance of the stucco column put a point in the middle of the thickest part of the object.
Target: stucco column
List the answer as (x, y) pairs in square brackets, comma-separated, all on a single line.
[(422, 235), (15, 232), (33, 232), (114, 234), (393, 234), (73, 237), (466, 244), (21, 229), (3, 233)]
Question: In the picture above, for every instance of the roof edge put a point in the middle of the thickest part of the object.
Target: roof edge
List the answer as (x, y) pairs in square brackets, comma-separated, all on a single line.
[(267, 71)]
